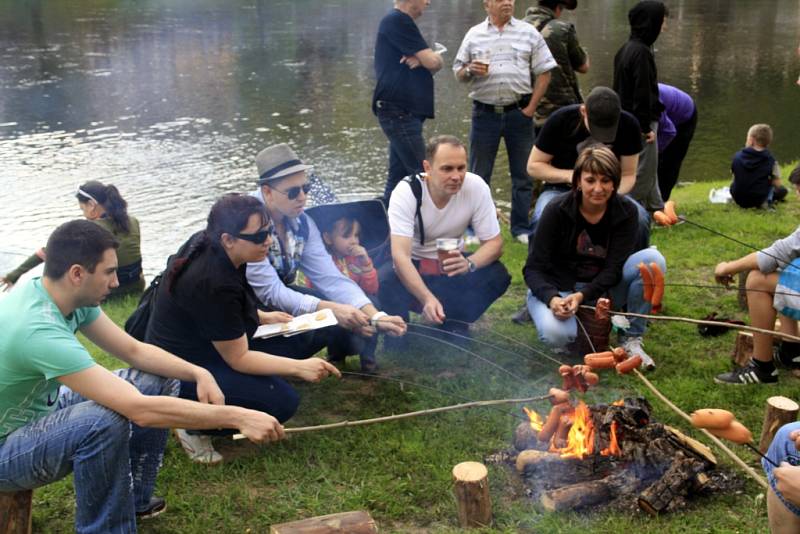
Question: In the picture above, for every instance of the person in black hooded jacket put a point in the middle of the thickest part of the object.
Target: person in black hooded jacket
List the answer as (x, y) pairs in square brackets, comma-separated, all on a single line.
[(636, 83)]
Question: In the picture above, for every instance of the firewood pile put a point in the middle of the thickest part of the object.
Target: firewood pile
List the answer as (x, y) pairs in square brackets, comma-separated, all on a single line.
[(624, 456)]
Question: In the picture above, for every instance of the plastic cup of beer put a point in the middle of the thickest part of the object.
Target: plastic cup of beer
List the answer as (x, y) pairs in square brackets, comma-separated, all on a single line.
[(444, 246), (482, 57)]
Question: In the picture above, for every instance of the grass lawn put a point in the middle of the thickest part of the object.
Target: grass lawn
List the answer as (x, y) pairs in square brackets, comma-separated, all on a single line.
[(400, 471)]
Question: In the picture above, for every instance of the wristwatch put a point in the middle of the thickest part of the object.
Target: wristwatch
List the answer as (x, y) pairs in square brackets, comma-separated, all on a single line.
[(472, 266)]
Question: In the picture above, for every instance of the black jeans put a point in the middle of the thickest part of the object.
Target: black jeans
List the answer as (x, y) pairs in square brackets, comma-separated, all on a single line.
[(670, 160), (464, 297)]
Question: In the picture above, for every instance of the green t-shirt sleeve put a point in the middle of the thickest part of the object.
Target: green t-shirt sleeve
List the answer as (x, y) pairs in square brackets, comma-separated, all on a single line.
[(57, 354)]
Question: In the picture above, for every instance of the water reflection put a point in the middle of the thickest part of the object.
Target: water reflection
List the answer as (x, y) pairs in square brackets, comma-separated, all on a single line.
[(170, 100)]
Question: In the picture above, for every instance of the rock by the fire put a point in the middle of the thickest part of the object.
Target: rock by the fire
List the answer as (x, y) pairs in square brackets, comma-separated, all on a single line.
[(525, 437)]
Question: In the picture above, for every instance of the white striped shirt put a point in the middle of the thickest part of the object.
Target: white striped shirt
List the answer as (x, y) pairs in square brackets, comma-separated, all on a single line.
[(513, 54)]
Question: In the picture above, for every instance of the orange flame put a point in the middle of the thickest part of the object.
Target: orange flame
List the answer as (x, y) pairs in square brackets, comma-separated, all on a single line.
[(536, 421), (579, 442), (580, 439), (613, 445)]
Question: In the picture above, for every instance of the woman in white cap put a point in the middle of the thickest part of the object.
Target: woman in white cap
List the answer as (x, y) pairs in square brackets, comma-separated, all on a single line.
[(297, 244)]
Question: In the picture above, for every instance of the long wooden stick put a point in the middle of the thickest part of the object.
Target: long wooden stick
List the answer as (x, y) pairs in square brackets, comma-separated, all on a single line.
[(749, 470), (361, 422), (702, 321)]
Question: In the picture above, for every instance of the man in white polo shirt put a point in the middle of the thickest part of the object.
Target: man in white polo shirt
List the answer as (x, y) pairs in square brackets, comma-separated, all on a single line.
[(499, 58), (441, 204)]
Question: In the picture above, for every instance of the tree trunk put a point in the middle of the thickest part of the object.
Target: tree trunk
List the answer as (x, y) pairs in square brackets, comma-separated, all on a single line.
[(472, 494), (15, 512), (779, 411)]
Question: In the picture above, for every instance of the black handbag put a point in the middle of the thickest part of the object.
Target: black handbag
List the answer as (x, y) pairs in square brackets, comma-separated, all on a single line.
[(136, 325)]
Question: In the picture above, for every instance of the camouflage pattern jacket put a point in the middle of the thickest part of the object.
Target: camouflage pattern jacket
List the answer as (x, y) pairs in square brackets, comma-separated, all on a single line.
[(563, 43)]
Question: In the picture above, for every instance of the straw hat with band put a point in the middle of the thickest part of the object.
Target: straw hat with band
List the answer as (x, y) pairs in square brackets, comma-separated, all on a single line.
[(278, 161)]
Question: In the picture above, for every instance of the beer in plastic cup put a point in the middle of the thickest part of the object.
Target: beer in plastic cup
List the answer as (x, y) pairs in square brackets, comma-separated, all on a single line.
[(445, 245)]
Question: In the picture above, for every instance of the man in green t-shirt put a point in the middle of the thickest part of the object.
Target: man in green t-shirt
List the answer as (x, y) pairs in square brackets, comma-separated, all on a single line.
[(60, 412)]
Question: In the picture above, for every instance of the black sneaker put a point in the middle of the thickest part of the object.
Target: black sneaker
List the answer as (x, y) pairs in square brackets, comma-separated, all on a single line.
[(749, 374), (156, 506), (787, 355)]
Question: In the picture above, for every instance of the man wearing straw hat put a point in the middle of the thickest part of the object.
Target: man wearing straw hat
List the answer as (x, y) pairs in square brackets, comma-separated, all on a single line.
[(298, 245)]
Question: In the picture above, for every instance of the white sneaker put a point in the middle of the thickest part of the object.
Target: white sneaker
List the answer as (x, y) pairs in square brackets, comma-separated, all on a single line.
[(198, 447), (633, 346), (522, 238)]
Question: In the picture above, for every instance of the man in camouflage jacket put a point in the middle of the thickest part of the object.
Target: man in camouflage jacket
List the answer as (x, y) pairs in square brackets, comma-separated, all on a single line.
[(563, 43)]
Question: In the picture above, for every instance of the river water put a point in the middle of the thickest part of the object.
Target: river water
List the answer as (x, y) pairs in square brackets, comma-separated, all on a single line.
[(171, 99)]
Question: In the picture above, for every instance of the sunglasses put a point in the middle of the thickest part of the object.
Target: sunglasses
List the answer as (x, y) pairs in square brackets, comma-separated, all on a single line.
[(294, 192), (257, 238)]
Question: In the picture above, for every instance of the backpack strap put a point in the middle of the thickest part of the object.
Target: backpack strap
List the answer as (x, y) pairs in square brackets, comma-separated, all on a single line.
[(415, 182)]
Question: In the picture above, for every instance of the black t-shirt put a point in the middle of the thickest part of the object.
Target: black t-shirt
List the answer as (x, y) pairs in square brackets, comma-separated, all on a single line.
[(411, 89), (210, 301), (565, 130)]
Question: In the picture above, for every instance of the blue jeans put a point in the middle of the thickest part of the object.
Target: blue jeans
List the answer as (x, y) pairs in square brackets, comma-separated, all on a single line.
[(115, 462), (484, 140), (406, 144), (627, 293), (782, 449), (549, 193)]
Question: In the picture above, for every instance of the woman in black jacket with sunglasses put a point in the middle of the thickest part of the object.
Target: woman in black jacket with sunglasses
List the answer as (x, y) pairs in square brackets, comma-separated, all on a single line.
[(206, 312)]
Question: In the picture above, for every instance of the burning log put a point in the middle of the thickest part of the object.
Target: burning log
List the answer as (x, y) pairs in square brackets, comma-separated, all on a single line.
[(586, 493), (779, 412), (676, 482), (472, 494), (532, 460)]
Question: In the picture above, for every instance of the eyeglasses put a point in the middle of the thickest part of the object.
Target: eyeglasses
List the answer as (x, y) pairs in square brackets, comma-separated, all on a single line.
[(294, 192), (257, 238)]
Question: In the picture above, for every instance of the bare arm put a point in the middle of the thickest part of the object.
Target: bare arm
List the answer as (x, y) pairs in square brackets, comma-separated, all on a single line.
[(539, 168), (583, 69), (426, 58), (104, 333), (411, 279), (725, 270), (430, 60), (628, 180), (539, 89), (105, 388), (489, 251), (238, 355)]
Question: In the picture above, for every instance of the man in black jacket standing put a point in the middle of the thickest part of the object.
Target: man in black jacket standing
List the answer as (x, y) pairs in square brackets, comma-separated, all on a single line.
[(636, 82)]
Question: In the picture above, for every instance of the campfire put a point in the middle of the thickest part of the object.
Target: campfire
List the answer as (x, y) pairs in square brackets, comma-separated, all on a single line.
[(583, 455)]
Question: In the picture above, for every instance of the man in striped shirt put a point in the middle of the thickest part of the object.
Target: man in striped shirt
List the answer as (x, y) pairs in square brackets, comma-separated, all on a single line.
[(498, 59)]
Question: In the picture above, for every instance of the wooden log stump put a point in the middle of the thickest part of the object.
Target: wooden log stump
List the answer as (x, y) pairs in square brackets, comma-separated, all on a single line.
[(779, 411), (15, 512), (472, 494), (358, 522), (743, 350)]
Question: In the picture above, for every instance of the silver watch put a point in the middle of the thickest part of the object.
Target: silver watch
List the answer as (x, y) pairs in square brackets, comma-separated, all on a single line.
[(472, 266)]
